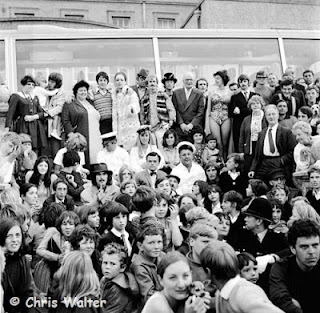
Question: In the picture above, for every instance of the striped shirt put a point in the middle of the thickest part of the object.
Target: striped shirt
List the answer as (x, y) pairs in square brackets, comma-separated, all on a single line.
[(103, 104)]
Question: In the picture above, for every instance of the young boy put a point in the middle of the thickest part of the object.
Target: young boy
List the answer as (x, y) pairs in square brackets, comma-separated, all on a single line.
[(313, 195), (144, 264), (128, 187), (144, 201), (200, 236), (118, 286), (114, 223), (231, 204)]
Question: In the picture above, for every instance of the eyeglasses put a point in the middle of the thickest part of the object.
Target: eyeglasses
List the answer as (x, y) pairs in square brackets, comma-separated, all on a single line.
[(142, 77)]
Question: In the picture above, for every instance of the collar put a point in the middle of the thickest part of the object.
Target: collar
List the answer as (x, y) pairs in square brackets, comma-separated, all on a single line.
[(262, 235), (274, 127), (228, 287), (233, 219), (118, 234), (56, 200), (102, 92), (316, 194)]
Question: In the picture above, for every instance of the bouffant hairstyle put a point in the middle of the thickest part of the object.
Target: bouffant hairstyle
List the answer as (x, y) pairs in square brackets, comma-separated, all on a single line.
[(79, 85), (306, 110), (166, 135), (80, 232), (224, 75), (67, 215), (27, 79), (57, 78)]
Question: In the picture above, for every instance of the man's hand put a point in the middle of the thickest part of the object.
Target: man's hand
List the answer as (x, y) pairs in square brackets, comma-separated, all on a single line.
[(236, 110), (184, 128)]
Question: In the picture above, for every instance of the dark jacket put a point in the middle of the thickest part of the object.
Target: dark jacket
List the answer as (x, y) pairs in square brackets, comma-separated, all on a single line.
[(121, 293), (287, 281), (240, 184)]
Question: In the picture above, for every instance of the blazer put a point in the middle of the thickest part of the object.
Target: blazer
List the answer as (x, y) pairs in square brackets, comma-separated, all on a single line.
[(285, 142), (245, 135), (144, 178), (241, 102), (191, 111)]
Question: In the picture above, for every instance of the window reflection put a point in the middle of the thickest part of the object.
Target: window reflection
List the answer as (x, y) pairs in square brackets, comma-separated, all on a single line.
[(79, 59), (206, 56), (2, 64), (304, 54)]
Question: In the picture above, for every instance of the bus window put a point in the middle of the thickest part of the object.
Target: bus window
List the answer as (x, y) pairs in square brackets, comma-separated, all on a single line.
[(303, 54), (205, 56), (78, 59), (2, 64)]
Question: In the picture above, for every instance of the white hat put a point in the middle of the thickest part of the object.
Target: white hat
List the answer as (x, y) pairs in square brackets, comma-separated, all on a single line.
[(186, 143), (109, 136)]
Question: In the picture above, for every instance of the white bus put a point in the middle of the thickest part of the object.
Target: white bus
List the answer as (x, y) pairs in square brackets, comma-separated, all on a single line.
[(82, 53)]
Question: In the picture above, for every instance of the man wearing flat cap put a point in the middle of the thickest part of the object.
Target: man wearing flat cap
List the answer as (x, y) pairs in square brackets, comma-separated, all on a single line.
[(189, 105), (101, 190), (169, 81), (112, 154), (187, 170), (141, 87)]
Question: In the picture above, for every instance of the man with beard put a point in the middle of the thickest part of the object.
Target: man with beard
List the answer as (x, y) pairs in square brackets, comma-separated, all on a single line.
[(102, 188), (293, 280), (157, 110)]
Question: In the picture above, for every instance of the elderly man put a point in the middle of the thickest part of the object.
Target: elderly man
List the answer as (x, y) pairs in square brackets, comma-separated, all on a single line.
[(187, 170), (293, 279), (189, 105), (157, 110), (274, 148)]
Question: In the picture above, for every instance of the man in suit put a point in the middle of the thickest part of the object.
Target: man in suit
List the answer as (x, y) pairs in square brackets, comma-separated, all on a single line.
[(189, 105), (239, 109), (149, 176), (274, 148), (54, 108)]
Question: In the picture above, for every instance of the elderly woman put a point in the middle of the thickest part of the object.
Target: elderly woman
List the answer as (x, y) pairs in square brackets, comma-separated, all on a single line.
[(25, 114), (102, 188), (80, 116), (125, 109), (302, 153), (250, 129), (217, 121)]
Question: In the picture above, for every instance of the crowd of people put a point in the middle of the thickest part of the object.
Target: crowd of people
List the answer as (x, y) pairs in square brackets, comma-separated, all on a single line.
[(151, 198)]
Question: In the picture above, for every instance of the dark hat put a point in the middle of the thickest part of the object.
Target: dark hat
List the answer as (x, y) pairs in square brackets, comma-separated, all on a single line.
[(261, 74), (98, 168), (143, 72), (168, 76), (175, 177), (260, 208), (276, 173)]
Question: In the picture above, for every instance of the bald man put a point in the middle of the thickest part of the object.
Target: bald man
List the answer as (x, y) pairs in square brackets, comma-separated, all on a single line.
[(189, 105)]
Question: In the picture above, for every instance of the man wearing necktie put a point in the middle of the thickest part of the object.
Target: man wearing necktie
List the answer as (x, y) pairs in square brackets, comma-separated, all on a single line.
[(238, 108), (274, 148), (149, 176)]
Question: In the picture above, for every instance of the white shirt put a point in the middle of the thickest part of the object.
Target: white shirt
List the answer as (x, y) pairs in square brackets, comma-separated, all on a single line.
[(262, 235), (188, 92), (126, 238), (227, 288), (59, 157), (188, 178), (115, 159), (266, 146)]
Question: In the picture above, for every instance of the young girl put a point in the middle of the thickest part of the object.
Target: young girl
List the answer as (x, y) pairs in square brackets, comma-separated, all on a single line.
[(163, 185), (211, 151), (199, 189), (278, 225), (197, 136), (169, 150), (89, 214), (171, 224), (223, 225), (128, 187), (248, 267), (282, 195), (212, 199)]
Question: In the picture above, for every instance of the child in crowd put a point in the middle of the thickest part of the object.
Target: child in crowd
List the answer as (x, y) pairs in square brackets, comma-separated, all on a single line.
[(281, 193), (211, 151), (248, 267), (231, 177), (223, 225), (128, 187), (231, 205), (144, 201), (174, 184), (89, 215), (212, 199), (197, 137), (144, 264), (114, 222), (200, 236), (163, 185), (118, 286), (199, 189), (25, 160), (278, 225), (313, 195), (167, 214)]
